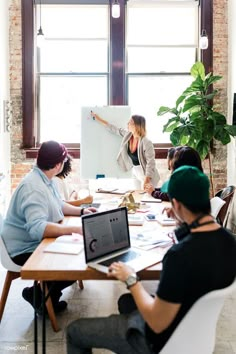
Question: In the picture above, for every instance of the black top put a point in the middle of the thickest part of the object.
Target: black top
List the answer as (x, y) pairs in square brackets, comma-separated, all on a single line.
[(158, 194), (200, 263), (134, 156)]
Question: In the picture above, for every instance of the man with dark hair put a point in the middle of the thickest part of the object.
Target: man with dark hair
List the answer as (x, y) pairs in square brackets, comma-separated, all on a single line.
[(203, 260), (34, 213)]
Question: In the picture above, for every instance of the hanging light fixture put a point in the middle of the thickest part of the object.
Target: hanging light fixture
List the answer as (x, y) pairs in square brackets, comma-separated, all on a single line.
[(203, 43), (40, 34), (115, 9)]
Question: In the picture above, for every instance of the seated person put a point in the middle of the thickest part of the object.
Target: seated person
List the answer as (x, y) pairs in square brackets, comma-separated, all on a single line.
[(145, 323), (66, 190), (177, 156), (34, 213)]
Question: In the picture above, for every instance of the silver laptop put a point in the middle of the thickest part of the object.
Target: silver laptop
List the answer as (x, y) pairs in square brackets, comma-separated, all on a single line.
[(107, 240)]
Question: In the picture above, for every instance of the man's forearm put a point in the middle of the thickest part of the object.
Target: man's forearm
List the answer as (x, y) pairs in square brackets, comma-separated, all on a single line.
[(55, 230)]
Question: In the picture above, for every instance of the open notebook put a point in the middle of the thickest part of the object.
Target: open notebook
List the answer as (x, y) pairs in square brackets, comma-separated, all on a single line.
[(66, 244)]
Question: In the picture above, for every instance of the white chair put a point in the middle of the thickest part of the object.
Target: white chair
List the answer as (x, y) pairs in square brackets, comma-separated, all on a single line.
[(196, 332), (216, 205), (13, 272)]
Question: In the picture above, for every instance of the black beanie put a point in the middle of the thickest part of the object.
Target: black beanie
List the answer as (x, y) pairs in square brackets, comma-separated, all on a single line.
[(51, 153)]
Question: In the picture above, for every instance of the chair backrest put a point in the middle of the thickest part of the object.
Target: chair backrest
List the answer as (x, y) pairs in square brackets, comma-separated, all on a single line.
[(226, 194), (216, 205), (5, 258), (196, 332)]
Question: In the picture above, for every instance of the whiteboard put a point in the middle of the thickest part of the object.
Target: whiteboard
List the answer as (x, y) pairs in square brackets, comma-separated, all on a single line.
[(99, 148)]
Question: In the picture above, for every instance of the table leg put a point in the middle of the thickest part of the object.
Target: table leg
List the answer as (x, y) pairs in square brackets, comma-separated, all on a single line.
[(35, 320), (44, 320)]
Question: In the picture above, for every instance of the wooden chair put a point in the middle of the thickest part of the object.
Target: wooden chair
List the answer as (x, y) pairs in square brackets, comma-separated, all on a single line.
[(226, 194)]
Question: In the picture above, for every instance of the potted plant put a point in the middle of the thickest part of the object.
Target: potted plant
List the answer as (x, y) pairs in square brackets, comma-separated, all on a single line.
[(194, 121)]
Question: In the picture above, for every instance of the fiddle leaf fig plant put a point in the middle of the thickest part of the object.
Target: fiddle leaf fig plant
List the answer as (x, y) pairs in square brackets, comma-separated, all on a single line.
[(194, 121)]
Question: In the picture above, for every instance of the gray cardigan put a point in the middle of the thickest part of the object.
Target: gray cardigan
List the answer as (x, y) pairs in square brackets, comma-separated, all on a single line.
[(146, 154)]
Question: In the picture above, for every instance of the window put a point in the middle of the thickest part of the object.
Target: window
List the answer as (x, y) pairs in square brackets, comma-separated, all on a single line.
[(73, 68), (141, 59), (162, 45)]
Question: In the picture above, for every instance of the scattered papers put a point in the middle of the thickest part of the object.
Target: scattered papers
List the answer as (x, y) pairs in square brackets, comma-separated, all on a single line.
[(149, 199), (68, 244), (114, 190), (164, 220), (135, 219), (147, 239)]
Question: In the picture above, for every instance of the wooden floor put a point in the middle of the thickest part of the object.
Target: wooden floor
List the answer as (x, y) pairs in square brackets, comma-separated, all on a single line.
[(98, 298)]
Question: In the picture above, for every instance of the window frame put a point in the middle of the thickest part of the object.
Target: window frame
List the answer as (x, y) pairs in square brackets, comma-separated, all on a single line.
[(117, 76)]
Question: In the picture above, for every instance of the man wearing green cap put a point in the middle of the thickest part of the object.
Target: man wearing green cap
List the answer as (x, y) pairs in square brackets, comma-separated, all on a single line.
[(204, 259)]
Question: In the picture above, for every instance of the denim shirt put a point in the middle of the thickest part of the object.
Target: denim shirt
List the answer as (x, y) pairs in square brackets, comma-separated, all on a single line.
[(34, 203)]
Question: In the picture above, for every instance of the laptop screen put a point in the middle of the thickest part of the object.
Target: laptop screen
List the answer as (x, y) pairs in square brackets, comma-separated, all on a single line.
[(105, 233)]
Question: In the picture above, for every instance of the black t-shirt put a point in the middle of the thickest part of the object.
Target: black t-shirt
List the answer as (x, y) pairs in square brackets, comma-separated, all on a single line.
[(201, 262), (134, 156)]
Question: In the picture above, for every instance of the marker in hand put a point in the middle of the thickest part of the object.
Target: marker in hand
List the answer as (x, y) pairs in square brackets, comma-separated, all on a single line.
[(92, 114)]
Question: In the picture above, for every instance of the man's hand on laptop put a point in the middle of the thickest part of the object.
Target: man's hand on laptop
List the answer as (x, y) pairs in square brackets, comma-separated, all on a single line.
[(120, 271), (90, 210)]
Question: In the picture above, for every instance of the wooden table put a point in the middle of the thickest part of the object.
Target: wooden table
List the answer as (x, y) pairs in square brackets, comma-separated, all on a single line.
[(42, 266), (52, 266)]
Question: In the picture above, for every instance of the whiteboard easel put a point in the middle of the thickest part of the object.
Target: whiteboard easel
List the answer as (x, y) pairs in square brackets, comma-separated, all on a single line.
[(99, 147)]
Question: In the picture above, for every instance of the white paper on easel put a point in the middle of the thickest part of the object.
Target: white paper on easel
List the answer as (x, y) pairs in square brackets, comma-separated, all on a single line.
[(98, 146)]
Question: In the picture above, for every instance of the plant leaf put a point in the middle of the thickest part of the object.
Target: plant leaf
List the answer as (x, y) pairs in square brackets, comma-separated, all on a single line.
[(180, 100), (222, 135), (219, 118), (198, 70), (191, 102), (163, 110), (184, 140), (169, 123), (231, 129), (203, 148), (211, 95), (175, 137), (212, 79), (198, 85)]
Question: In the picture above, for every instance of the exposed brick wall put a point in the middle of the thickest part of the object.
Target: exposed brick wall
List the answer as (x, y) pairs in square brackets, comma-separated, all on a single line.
[(17, 155), (220, 66), (19, 170)]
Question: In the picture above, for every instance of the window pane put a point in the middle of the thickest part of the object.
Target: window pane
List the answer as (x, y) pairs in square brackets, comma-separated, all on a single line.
[(148, 93), (162, 24), (160, 59), (74, 21), (74, 56), (61, 99)]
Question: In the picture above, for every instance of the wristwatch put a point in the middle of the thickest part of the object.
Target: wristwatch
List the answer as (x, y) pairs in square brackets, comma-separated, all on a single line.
[(131, 280)]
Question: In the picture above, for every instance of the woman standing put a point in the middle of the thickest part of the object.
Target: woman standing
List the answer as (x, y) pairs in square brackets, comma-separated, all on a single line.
[(136, 151)]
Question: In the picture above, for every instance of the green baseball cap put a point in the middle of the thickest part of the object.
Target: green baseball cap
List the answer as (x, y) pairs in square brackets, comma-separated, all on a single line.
[(188, 185)]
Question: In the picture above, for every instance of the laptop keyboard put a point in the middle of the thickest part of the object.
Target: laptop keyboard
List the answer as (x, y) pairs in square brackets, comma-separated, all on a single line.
[(125, 257)]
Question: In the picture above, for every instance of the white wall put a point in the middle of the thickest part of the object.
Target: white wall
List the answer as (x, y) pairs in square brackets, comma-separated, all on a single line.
[(231, 87)]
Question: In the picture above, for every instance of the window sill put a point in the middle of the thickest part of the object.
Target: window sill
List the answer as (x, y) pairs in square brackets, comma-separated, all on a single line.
[(161, 151)]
